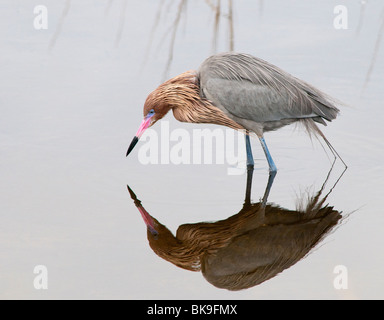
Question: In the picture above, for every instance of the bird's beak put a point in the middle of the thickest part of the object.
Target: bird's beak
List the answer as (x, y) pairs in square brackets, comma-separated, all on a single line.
[(144, 125), (148, 220), (144, 214)]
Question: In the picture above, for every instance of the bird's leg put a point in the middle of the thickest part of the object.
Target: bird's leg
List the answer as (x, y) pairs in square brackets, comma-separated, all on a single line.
[(272, 166), (271, 177), (250, 162)]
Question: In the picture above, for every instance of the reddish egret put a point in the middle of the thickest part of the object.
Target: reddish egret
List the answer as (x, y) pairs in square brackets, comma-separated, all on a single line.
[(241, 92)]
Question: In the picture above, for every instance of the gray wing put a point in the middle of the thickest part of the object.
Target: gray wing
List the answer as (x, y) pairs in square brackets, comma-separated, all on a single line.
[(253, 89)]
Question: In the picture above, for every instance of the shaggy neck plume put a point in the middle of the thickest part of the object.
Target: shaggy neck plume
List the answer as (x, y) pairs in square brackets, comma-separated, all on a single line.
[(182, 95)]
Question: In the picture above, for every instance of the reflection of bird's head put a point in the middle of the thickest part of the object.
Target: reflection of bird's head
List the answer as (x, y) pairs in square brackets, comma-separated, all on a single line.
[(159, 237), (167, 246), (164, 243)]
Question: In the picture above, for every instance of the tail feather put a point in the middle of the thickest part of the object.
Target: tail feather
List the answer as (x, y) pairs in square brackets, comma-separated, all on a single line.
[(313, 129), (324, 105), (319, 120)]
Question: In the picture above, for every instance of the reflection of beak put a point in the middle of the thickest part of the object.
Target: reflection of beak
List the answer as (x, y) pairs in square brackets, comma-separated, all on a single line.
[(144, 125), (145, 215), (148, 220)]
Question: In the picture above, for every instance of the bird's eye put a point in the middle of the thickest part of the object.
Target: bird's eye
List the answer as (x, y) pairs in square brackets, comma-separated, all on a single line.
[(155, 234), (151, 112)]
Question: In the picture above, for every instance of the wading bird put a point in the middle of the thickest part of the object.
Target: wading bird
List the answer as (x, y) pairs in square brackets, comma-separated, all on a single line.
[(242, 92)]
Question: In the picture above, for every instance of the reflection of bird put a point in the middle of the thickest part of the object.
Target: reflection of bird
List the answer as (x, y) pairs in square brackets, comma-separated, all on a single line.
[(246, 249), (241, 92)]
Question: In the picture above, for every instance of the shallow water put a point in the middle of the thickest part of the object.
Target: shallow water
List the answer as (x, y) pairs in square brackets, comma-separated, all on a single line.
[(71, 100)]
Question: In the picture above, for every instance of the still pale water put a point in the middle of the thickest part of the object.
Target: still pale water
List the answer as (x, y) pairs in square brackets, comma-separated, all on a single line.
[(71, 100)]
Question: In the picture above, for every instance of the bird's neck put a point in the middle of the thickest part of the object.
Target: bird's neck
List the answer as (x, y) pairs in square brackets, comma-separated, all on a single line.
[(183, 95), (168, 247)]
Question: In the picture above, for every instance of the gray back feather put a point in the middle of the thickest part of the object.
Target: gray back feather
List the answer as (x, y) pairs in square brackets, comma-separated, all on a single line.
[(251, 88)]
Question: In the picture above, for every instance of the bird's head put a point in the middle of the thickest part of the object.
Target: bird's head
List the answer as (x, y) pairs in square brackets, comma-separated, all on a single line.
[(174, 93), (151, 115)]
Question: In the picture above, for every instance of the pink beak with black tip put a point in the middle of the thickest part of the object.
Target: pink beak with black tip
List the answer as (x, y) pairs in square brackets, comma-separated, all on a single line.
[(144, 125)]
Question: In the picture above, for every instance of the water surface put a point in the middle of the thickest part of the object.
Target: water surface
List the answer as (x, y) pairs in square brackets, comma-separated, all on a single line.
[(71, 100)]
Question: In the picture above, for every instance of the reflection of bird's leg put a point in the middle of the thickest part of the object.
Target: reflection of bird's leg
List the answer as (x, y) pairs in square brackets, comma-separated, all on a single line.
[(271, 177), (249, 185), (250, 165), (327, 178), (272, 166), (328, 175), (250, 162)]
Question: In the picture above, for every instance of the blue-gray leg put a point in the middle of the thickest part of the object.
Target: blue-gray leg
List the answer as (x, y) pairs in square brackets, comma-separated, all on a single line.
[(272, 166), (250, 162)]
